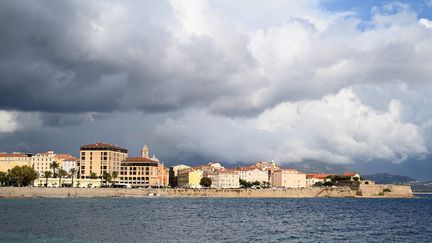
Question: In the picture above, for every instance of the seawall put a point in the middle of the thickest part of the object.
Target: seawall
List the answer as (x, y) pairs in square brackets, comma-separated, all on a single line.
[(312, 192)]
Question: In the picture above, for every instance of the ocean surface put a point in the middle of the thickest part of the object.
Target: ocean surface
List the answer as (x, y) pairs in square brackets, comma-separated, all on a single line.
[(216, 219)]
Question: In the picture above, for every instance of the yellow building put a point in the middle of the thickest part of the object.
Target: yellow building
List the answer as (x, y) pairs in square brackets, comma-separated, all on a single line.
[(288, 178), (139, 172), (143, 171), (189, 178), (8, 161), (99, 158)]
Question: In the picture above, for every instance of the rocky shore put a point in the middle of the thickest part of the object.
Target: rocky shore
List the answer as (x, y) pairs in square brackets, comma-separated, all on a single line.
[(379, 191)]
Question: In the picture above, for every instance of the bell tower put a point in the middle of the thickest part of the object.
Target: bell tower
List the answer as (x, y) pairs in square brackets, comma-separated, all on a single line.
[(145, 151)]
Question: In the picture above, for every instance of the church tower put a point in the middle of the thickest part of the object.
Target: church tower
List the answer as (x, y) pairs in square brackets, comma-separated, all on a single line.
[(145, 151)]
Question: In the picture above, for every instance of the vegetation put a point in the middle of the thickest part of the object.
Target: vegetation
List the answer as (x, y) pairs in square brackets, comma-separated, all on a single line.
[(114, 175), (335, 178), (206, 182), (93, 175), (247, 184), (47, 174), (62, 173), (3, 178), (386, 190), (19, 176), (107, 177), (54, 166), (72, 173)]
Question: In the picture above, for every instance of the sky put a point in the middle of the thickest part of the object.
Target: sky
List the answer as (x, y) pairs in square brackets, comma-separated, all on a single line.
[(342, 82)]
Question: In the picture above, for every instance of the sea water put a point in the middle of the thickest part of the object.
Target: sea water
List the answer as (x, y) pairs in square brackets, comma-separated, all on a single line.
[(216, 219)]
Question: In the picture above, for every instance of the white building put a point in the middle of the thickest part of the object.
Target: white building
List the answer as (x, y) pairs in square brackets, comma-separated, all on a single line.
[(224, 179), (41, 162), (252, 174)]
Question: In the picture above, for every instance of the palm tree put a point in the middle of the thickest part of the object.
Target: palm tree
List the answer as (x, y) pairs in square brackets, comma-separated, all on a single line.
[(54, 165), (61, 173), (72, 172), (47, 174), (114, 175)]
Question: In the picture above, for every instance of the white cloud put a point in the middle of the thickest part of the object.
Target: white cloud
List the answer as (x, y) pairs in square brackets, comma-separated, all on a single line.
[(7, 122), (426, 23), (337, 128)]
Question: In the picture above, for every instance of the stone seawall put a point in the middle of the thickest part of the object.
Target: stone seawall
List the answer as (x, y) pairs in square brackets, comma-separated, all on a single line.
[(385, 191), (369, 191)]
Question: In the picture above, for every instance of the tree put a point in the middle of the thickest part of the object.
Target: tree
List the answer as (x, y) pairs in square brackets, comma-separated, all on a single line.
[(22, 175), (206, 182), (61, 173), (3, 178), (114, 175), (93, 175), (107, 177), (54, 165), (72, 172), (47, 174), (245, 184)]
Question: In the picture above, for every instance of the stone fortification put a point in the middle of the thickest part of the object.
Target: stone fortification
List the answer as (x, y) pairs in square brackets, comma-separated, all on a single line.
[(364, 191), (384, 191)]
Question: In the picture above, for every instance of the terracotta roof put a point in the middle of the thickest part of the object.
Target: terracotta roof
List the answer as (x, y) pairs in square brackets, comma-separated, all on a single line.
[(317, 176), (103, 146), (13, 155), (66, 157)]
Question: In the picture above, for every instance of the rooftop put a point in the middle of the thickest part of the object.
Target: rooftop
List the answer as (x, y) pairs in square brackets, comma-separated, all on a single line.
[(103, 146)]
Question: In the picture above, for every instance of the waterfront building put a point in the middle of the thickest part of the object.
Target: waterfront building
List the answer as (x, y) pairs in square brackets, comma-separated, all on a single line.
[(252, 174), (143, 171), (312, 179), (68, 162), (41, 162), (288, 178), (99, 158), (10, 160), (67, 182), (224, 179), (190, 178), (173, 174), (139, 172)]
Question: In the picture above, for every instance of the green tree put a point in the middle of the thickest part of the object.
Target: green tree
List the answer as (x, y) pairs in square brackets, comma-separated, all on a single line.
[(106, 176), (245, 184), (47, 174), (206, 182), (3, 178), (22, 175), (54, 166), (62, 173), (114, 176), (93, 175), (73, 172)]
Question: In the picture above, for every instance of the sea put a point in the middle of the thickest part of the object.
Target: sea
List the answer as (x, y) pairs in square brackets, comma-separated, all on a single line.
[(216, 220)]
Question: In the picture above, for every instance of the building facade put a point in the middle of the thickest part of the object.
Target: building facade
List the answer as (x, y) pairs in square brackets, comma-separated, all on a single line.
[(143, 171), (288, 178), (10, 160), (41, 162), (99, 158), (139, 172), (173, 174), (190, 178), (225, 179), (252, 174)]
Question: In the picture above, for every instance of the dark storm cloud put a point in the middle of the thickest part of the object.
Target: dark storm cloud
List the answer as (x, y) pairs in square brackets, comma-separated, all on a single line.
[(68, 57)]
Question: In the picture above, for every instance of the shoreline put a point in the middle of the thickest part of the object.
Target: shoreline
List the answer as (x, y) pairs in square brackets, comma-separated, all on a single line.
[(310, 192)]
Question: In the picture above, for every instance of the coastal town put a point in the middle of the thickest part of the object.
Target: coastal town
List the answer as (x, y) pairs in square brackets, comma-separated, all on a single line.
[(107, 165)]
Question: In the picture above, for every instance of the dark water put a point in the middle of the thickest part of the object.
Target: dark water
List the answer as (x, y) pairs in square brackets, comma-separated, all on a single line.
[(209, 219)]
